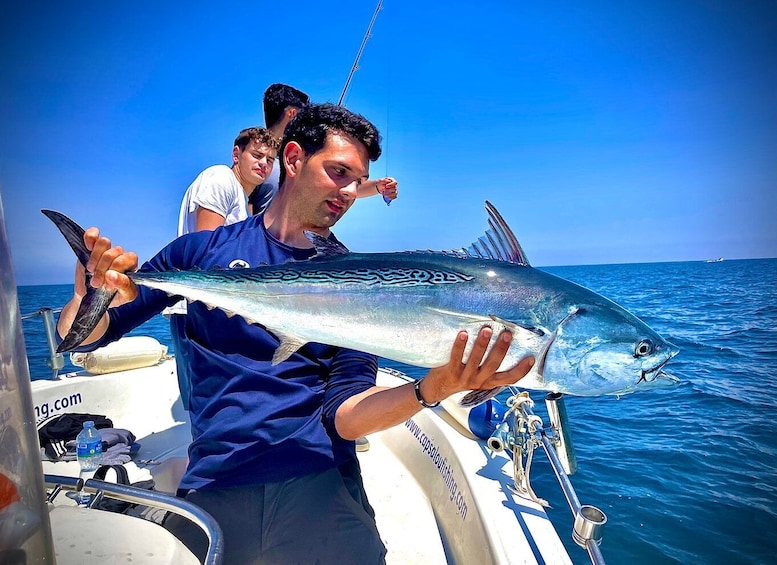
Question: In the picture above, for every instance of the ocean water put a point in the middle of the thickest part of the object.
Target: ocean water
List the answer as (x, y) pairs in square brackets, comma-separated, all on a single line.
[(33, 298), (686, 474)]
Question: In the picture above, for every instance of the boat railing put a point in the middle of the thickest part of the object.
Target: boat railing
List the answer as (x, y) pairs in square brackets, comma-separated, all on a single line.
[(56, 361), (96, 490), (519, 433)]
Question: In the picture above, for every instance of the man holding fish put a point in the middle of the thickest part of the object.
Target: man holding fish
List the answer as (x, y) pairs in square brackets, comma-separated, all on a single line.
[(281, 103), (272, 457)]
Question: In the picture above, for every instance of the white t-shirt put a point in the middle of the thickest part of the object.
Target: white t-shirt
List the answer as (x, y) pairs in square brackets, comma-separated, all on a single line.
[(217, 189)]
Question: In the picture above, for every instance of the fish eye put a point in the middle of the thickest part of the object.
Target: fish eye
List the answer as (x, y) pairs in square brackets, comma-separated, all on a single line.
[(644, 347)]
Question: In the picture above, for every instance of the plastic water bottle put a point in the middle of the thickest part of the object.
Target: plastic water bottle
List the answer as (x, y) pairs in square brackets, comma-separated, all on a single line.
[(89, 447)]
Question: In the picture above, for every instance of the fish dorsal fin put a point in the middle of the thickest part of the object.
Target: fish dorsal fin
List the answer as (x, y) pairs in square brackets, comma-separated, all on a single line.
[(325, 247), (499, 241)]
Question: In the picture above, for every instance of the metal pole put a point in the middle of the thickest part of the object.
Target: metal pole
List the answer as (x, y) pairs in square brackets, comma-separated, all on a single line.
[(559, 423), (561, 476), (56, 360)]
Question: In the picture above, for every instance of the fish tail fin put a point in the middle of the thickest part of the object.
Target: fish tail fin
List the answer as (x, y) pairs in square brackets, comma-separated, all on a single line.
[(74, 234), (96, 301), (476, 397)]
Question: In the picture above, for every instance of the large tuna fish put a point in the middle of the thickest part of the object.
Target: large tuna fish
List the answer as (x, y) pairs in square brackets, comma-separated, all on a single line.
[(409, 306)]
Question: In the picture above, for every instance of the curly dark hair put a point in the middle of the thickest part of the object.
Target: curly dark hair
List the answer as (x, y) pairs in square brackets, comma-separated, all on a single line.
[(313, 123), (278, 97), (260, 135)]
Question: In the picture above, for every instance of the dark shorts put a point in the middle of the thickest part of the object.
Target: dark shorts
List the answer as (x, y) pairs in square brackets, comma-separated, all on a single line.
[(310, 519)]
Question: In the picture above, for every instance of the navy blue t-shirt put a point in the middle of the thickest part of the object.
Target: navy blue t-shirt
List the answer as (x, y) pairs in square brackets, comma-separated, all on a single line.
[(252, 422)]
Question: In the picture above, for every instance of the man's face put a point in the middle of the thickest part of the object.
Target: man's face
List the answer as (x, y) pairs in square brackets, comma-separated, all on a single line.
[(326, 181), (255, 162)]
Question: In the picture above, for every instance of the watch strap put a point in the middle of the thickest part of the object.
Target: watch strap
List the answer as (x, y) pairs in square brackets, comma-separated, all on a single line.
[(421, 401)]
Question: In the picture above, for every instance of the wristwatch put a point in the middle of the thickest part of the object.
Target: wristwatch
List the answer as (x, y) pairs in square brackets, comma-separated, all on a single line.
[(421, 401)]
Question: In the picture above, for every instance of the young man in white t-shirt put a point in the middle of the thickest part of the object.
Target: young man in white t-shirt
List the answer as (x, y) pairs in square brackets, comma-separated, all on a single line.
[(217, 197), (219, 194)]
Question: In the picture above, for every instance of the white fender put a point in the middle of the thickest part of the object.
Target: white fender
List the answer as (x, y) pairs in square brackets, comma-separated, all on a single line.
[(127, 353)]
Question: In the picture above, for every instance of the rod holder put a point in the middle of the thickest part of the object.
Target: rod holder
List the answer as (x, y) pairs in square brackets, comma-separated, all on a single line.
[(56, 361), (562, 440), (500, 439), (589, 522)]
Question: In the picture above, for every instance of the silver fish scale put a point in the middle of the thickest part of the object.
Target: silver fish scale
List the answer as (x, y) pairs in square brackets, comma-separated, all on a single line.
[(397, 277)]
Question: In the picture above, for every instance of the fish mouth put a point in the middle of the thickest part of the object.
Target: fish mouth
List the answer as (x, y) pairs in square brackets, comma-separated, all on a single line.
[(651, 375)]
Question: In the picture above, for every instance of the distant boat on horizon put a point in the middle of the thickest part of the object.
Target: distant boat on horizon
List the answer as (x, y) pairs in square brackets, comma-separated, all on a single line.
[(718, 260)]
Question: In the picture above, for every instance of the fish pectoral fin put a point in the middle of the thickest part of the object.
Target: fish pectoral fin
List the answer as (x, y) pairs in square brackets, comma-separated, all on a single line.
[(515, 326), (289, 346), (476, 397), (466, 318)]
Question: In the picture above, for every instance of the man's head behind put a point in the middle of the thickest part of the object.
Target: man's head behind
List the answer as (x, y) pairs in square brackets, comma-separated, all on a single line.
[(277, 98), (312, 124)]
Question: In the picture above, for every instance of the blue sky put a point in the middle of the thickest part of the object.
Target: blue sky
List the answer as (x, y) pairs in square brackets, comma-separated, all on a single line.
[(604, 131)]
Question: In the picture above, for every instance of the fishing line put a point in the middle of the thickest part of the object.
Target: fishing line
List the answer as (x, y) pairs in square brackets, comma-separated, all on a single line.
[(353, 70)]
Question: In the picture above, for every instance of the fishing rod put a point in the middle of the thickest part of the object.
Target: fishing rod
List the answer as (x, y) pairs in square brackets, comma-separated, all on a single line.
[(355, 65)]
